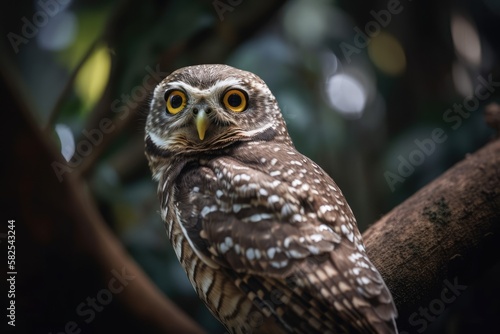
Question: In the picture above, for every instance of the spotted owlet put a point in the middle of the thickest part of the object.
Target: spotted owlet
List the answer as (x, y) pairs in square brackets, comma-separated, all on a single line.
[(265, 236)]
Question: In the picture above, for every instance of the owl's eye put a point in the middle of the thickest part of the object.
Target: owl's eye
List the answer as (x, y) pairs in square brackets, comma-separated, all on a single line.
[(235, 100), (176, 101)]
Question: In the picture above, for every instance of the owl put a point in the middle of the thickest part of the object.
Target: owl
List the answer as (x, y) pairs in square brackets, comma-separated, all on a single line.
[(265, 236)]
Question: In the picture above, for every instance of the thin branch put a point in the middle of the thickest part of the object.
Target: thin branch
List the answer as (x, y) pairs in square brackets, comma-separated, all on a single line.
[(68, 87), (119, 8)]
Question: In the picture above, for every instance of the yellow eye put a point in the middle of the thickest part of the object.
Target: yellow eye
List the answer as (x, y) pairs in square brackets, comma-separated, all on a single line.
[(235, 100), (176, 101)]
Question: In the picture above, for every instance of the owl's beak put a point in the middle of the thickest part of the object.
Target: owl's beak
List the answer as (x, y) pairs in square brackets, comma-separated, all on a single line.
[(202, 123)]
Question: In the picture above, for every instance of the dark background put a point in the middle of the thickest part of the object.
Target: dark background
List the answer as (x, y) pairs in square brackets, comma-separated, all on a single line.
[(355, 95)]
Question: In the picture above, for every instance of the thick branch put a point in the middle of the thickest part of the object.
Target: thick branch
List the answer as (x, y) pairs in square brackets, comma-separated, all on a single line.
[(448, 232)]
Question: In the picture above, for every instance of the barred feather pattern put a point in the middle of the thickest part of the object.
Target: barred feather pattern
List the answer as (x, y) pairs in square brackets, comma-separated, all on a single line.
[(265, 236)]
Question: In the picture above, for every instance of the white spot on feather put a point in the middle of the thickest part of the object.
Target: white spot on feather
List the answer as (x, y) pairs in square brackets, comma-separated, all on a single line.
[(273, 199), (295, 254), (287, 209), (237, 207), (257, 254), (344, 229), (280, 264), (250, 254), (271, 251), (313, 249), (360, 247), (347, 232), (324, 227), (228, 241), (363, 280), (354, 257), (208, 209), (287, 242), (325, 208), (316, 237), (223, 248), (258, 217)]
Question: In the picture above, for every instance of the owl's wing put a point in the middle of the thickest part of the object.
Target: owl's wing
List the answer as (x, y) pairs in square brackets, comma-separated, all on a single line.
[(292, 236)]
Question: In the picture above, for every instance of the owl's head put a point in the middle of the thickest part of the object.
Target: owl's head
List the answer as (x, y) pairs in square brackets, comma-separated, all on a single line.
[(208, 107)]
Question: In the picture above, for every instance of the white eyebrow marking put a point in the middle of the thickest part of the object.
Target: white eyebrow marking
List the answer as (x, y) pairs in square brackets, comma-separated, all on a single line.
[(205, 92)]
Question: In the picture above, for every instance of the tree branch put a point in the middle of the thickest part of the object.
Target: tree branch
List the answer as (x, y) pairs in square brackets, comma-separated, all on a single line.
[(446, 233)]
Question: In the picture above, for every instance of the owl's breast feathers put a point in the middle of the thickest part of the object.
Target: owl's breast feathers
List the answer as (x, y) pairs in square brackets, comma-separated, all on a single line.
[(278, 226)]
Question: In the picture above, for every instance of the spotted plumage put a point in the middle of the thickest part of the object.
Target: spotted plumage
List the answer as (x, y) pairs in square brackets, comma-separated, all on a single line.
[(265, 235)]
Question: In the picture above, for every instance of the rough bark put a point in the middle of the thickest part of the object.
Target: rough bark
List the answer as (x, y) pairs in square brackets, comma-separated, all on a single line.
[(446, 233)]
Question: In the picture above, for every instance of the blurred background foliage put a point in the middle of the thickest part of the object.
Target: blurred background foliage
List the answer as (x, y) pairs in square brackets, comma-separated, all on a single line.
[(358, 82)]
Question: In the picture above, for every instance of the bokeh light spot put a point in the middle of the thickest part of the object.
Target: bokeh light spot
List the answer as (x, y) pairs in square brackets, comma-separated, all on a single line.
[(387, 54), (59, 33), (347, 95), (93, 77), (67, 141), (307, 22), (466, 39)]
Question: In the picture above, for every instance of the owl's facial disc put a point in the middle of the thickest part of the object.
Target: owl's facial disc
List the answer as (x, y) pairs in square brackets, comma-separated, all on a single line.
[(207, 108), (204, 115)]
